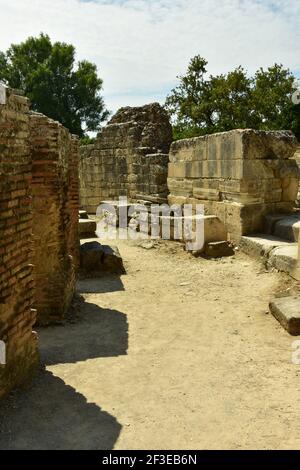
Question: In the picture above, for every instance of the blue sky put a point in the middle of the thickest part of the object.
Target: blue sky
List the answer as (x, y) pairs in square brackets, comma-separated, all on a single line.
[(141, 46)]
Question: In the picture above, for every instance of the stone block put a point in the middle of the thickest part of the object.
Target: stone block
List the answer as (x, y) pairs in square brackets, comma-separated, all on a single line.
[(130, 152), (87, 227), (287, 311), (219, 249), (188, 150), (290, 188), (96, 259), (268, 144), (287, 227)]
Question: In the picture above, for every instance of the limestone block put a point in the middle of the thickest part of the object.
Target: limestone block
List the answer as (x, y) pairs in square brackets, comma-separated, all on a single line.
[(87, 227), (268, 144), (205, 193), (290, 187), (287, 311), (214, 229), (251, 169), (129, 153), (83, 214), (180, 187), (189, 150), (179, 170), (219, 249), (177, 200)]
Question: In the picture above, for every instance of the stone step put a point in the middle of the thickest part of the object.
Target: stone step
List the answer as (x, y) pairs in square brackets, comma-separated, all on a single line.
[(284, 226), (275, 252), (261, 244)]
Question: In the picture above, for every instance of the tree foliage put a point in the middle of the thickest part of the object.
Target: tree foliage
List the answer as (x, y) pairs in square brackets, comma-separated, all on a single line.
[(203, 104), (55, 84)]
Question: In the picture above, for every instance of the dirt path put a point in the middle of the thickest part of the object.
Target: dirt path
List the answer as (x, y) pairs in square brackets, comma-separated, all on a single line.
[(179, 353)]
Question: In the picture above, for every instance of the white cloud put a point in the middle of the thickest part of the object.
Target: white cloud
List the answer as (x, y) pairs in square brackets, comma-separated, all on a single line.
[(141, 46)]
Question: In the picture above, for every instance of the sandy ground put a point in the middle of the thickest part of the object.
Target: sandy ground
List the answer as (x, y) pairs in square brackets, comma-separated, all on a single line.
[(179, 353)]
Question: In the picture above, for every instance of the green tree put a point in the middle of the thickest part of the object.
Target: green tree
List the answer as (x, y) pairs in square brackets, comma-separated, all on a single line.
[(58, 87), (272, 98), (203, 104), (189, 104)]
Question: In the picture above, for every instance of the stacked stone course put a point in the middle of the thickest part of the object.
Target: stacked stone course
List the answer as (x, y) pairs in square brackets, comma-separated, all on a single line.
[(17, 316), (239, 176), (129, 158)]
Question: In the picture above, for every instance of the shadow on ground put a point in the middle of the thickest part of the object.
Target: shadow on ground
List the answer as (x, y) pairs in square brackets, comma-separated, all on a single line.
[(96, 333), (48, 414), (101, 285), (51, 415)]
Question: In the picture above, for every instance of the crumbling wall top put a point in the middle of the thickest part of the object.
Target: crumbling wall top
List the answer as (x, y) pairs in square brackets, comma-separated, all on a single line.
[(145, 126)]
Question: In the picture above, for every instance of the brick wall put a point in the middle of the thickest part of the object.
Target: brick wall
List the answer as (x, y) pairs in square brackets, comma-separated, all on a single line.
[(16, 271), (55, 216), (129, 158), (239, 176)]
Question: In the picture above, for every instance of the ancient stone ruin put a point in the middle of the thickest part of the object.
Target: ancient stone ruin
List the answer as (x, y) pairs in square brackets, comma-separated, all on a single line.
[(17, 315), (55, 191), (39, 248), (129, 158), (239, 176)]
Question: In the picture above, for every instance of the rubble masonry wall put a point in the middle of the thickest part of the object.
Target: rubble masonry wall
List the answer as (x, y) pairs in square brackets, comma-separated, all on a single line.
[(129, 158)]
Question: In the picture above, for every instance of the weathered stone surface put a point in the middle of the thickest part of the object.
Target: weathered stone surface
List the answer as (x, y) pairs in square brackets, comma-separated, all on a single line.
[(261, 245), (96, 258), (288, 227), (240, 176), (55, 189), (284, 258), (91, 257), (268, 144), (112, 260), (275, 252), (287, 311), (152, 124), (17, 315), (219, 249), (129, 158)]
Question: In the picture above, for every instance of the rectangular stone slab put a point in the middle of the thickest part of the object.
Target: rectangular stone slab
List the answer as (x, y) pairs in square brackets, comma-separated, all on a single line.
[(87, 226), (287, 311)]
